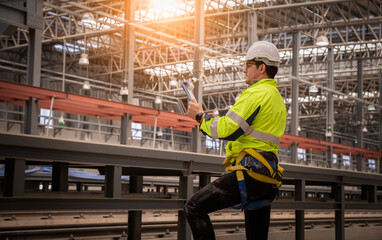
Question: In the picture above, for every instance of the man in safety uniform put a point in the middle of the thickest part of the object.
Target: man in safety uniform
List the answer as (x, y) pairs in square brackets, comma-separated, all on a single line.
[(253, 126)]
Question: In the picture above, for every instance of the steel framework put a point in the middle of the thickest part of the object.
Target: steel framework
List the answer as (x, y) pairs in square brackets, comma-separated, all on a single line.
[(165, 48)]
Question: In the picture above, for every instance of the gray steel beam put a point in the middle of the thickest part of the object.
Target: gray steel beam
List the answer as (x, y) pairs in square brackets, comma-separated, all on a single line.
[(14, 175), (295, 93), (35, 20), (380, 118), (185, 192), (63, 203), (128, 74), (252, 28), (196, 134), (339, 197), (300, 218), (330, 105), (60, 177), (135, 216), (204, 180), (198, 67), (360, 119), (87, 203), (34, 78), (13, 13), (31, 148), (113, 182)]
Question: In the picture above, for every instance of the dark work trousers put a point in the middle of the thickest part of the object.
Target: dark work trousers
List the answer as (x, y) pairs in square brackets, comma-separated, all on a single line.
[(223, 193)]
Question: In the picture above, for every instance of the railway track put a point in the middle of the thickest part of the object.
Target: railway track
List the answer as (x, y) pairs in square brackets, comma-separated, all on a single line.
[(95, 225)]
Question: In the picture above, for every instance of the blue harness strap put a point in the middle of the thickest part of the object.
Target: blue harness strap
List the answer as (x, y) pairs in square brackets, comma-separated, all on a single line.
[(251, 205)]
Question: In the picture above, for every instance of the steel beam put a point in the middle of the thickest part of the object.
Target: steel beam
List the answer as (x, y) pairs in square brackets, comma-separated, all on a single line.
[(330, 105), (13, 13), (198, 67), (252, 28), (48, 204), (135, 216), (300, 214), (113, 182), (14, 175), (380, 117), (7, 204), (128, 77), (295, 93), (60, 177), (339, 197), (360, 117), (204, 179), (185, 192), (31, 148)]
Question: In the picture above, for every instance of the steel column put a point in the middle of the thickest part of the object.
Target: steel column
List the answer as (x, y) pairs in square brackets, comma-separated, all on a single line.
[(185, 192), (128, 78), (204, 180), (380, 117), (34, 20), (330, 106), (360, 120), (196, 134), (31, 109), (14, 175), (198, 67), (60, 177), (295, 93), (252, 27), (339, 197), (135, 216), (299, 191), (372, 194), (113, 181)]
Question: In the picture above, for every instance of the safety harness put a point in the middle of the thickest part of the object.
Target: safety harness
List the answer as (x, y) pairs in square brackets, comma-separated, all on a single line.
[(237, 165)]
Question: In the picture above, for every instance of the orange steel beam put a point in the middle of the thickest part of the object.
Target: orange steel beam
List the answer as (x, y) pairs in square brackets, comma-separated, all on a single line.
[(322, 146), (85, 105), (17, 94)]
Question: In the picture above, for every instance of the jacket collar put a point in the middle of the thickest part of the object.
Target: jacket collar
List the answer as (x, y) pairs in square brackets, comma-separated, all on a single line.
[(269, 81)]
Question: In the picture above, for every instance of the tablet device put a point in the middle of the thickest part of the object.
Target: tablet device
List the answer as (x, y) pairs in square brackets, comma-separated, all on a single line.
[(188, 91)]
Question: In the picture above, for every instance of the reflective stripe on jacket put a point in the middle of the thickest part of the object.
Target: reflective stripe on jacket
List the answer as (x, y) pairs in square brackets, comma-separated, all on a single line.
[(257, 120)]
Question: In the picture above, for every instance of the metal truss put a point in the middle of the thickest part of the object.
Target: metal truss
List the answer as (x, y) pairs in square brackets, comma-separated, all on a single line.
[(164, 50)]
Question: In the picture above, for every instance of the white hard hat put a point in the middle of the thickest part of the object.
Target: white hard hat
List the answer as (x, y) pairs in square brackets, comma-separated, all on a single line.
[(265, 52)]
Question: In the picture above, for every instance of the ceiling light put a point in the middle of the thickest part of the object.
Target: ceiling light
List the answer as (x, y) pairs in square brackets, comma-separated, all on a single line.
[(322, 40), (86, 85), (299, 128), (290, 111), (88, 18), (371, 107), (313, 89), (216, 111), (124, 91), (173, 83), (328, 133), (84, 59), (158, 100), (364, 129)]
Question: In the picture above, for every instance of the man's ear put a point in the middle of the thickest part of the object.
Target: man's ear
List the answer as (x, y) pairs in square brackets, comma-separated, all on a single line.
[(262, 68)]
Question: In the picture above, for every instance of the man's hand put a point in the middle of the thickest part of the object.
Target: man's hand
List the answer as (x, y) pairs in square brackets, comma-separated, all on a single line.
[(194, 108)]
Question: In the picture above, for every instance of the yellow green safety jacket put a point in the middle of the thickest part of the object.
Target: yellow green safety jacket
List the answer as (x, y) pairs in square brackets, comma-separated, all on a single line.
[(256, 120)]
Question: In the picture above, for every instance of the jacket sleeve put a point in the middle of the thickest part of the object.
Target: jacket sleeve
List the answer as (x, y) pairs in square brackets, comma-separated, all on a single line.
[(234, 123)]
